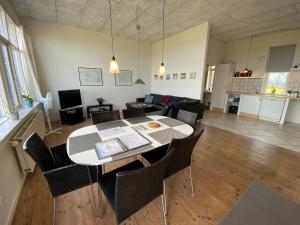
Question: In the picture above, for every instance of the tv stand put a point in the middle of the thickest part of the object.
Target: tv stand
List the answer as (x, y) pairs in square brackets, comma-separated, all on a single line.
[(71, 115)]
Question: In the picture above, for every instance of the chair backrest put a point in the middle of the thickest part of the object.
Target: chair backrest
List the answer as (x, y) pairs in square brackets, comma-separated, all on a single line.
[(135, 189), (183, 149), (39, 152), (130, 113), (105, 116), (187, 117)]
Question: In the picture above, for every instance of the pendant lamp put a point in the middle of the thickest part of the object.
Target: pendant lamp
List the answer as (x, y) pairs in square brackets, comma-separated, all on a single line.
[(162, 68), (114, 67), (138, 28)]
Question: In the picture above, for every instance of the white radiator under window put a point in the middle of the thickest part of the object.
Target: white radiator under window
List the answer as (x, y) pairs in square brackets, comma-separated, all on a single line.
[(34, 124)]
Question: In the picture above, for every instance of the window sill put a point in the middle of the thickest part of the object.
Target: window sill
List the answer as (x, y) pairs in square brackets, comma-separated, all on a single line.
[(9, 125)]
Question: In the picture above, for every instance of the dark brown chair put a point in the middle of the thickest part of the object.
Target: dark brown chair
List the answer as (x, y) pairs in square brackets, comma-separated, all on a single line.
[(183, 149), (105, 116), (133, 186), (61, 173), (130, 113)]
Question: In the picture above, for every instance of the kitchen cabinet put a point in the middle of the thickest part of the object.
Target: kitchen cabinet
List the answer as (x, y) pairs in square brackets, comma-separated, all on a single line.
[(249, 106), (222, 73), (272, 108)]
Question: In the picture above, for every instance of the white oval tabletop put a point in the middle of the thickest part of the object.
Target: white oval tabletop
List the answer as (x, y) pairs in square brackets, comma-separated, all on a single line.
[(83, 154)]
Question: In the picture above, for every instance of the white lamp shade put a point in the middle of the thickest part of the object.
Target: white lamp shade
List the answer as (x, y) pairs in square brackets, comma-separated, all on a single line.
[(114, 67), (162, 69)]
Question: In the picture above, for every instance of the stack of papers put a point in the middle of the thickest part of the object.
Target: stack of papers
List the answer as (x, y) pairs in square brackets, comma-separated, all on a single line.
[(112, 132), (108, 148), (134, 140)]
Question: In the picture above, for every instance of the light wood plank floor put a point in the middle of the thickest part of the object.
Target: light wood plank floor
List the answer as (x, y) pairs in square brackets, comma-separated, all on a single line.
[(224, 166)]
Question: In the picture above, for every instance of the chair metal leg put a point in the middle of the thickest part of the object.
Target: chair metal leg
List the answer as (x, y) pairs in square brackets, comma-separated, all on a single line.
[(100, 197), (54, 211), (165, 197), (91, 187), (191, 179), (164, 211)]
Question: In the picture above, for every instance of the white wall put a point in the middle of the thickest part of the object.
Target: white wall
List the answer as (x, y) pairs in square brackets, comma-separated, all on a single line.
[(215, 51), (184, 52), (237, 51), (59, 50)]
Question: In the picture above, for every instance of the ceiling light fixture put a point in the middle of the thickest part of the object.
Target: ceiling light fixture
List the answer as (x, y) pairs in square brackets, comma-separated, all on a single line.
[(138, 28), (114, 67), (162, 68)]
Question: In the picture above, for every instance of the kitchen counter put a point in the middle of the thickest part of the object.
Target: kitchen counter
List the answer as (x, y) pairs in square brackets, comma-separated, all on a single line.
[(263, 95)]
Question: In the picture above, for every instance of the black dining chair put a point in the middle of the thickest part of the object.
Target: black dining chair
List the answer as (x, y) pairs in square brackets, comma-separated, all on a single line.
[(133, 186), (105, 116), (130, 113), (183, 149), (62, 175), (187, 117)]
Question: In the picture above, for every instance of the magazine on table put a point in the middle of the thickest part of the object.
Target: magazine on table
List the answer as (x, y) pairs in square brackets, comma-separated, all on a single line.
[(133, 140), (109, 148)]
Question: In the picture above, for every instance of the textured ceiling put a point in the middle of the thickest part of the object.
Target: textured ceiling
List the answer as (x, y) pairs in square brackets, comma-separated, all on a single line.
[(230, 19)]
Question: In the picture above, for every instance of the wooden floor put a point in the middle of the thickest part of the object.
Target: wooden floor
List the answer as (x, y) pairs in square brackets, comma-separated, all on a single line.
[(224, 166)]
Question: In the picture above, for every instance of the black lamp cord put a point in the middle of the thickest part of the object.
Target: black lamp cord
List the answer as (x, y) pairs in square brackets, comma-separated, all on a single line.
[(163, 33), (111, 30)]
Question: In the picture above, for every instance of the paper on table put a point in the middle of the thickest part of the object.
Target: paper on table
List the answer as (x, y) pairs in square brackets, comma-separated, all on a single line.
[(134, 140), (108, 148), (104, 134)]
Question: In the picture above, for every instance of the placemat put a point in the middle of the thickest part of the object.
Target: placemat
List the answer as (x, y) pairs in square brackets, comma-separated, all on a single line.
[(141, 119), (165, 136), (171, 122), (112, 124), (83, 143)]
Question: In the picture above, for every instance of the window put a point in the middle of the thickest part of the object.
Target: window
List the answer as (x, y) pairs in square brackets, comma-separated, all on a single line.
[(276, 83), (210, 78), (10, 79)]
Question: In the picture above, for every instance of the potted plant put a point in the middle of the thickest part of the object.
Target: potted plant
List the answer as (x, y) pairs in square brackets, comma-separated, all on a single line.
[(27, 101), (100, 100)]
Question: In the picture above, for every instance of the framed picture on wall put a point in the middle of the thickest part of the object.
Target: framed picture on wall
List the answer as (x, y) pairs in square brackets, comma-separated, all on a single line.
[(90, 76), (124, 78)]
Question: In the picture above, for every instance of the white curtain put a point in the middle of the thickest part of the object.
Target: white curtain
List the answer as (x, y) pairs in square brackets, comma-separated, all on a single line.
[(30, 69)]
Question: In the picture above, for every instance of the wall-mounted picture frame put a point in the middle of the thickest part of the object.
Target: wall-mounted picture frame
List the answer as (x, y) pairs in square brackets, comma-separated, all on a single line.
[(161, 77), (192, 75), (168, 76), (90, 76), (124, 78), (155, 77), (182, 76), (175, 76)]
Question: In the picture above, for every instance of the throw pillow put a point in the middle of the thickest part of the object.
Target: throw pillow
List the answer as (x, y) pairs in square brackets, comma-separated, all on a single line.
[(149, 99)]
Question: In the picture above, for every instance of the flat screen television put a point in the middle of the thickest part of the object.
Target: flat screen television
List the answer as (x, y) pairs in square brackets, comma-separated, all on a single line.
[(69, 98)]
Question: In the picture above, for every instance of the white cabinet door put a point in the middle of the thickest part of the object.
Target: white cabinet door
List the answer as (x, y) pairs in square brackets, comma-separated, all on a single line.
[(219, 86), (250, 104), (271, 108)]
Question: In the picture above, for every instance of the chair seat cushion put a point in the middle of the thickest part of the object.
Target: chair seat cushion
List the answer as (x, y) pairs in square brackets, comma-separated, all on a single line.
[(60, 155), (107, 181), (155, 155)]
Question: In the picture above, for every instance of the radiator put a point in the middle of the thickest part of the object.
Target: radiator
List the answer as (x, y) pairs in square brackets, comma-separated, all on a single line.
[(34, 124)]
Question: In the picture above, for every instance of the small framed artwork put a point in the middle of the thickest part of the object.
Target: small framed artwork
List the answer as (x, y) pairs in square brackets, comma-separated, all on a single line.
[(182, 76), (175, 76), (168, 76), (192, 75), (90, 76), (155, 77), (161, 77), (124, 78)]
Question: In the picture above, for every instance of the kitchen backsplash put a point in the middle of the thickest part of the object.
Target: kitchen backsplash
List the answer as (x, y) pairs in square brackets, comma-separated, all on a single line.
[(247, 85), (293, 83)]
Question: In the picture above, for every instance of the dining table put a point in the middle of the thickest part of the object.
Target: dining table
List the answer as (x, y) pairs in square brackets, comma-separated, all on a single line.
[(81, 143)]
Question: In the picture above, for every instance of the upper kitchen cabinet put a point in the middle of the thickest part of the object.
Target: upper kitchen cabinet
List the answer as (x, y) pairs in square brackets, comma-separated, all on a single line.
[(222, 78)]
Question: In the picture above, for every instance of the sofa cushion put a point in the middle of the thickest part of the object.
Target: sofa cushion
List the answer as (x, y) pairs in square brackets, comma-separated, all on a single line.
[(166, 99), (158, 99), (174, 99), (149, 99)]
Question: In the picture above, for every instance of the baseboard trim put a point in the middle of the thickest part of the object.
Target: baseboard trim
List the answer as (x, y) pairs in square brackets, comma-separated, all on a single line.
[(13, 210), (249, 115), (216, 109)]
